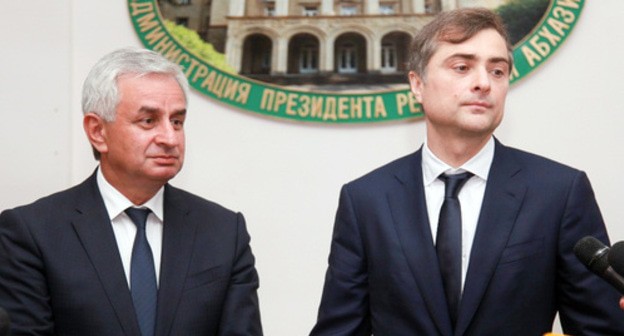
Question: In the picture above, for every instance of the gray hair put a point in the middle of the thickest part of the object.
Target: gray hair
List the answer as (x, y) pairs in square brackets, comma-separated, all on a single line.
[(100, 93)]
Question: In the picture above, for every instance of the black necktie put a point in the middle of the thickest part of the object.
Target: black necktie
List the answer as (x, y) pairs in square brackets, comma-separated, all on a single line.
[(449, 240), (143, 275)]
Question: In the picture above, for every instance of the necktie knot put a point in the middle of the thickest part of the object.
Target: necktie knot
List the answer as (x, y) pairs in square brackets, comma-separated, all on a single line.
[(138, 216), (454, 183)]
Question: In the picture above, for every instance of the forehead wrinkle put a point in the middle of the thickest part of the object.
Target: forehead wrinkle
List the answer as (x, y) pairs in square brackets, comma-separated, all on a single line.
[(472, 57), (462, 56), (149, 109)]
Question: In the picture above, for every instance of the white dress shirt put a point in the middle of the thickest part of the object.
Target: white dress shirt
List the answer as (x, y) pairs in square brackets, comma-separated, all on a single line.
[(470, 196), (125, 229)]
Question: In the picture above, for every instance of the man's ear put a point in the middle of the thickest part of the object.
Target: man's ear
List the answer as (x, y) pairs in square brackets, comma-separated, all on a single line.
[(416, 85), (93, 126)]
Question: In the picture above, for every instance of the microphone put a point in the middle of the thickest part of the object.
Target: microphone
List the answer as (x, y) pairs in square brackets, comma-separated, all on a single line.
[(4, 323), (594, 255), (616, 257)]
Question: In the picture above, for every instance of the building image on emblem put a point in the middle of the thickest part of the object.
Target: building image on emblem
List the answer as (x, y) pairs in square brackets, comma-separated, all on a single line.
[(315, 44)]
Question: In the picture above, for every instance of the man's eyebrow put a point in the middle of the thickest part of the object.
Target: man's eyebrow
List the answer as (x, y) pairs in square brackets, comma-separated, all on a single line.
[(181, 112), (498, 60)]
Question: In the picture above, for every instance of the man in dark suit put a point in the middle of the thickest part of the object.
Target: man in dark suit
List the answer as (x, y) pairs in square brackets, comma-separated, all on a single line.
[(414, 253), (125, 253)]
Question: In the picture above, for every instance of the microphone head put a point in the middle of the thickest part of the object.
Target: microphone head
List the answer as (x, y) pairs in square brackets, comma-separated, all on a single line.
[(593, 254), (616, 257)]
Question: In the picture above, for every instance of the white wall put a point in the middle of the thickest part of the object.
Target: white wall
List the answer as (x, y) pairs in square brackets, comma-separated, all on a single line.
[(285, 177), (35, 132)]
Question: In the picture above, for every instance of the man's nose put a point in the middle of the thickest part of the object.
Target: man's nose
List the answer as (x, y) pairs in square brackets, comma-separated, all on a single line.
[(167, 134), (482, 81)]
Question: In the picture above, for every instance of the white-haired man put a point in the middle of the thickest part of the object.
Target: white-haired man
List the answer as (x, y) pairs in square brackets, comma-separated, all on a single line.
[(125, 253)]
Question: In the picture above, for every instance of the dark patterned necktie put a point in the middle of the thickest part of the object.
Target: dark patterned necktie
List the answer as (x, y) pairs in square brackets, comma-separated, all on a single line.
[(143, 275), (449, 241)]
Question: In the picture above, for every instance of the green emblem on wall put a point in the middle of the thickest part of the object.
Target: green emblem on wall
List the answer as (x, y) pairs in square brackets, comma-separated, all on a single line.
[(329, 62)]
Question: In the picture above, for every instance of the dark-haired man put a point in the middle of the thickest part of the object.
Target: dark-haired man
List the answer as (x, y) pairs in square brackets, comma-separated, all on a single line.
[(466, 236)]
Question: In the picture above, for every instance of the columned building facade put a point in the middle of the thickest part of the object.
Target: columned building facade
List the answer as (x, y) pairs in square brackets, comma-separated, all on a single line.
[(291, 41)]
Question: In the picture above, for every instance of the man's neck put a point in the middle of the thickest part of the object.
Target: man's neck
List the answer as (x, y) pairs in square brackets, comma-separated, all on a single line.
[(138, 192), (455, 151)]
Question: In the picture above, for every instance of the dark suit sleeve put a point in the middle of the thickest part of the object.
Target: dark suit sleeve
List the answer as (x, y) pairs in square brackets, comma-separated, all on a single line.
[(241, 314), (588, 305), (344, 303), (23, 289)]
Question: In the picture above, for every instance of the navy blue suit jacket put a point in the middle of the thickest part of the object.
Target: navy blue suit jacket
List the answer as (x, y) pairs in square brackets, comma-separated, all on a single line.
[(384, 279), (61, 273)]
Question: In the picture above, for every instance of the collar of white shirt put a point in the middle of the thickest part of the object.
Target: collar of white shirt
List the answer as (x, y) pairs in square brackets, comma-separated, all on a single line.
[(116, 202), (479, 164)]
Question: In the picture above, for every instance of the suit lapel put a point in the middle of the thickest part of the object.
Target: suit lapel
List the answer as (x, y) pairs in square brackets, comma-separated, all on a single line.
[(503, 197), (409, 211), (177, 250), (94, 230)]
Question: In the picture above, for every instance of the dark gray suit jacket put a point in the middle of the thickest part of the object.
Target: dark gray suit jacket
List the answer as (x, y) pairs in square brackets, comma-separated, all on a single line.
[(384, 278), (61, 273)]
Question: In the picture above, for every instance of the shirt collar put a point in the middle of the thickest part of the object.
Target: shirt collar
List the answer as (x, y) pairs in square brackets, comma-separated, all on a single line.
[(479, 164), (116, 202)]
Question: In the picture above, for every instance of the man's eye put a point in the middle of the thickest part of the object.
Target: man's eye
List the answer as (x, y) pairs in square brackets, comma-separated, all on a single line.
[(498, 72), (177, 123), (461, 68), (147, 121)]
